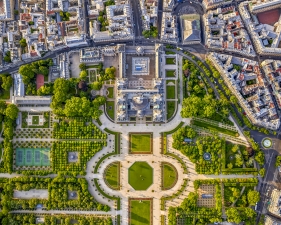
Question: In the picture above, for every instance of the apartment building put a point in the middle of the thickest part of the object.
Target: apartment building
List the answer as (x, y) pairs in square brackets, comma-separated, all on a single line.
[(244, 78), (7, 10), (272, 70), (265, 37), (168, 5), (211, 4), (32, 28), (65, 24), (224, 30), (149, 10), (120, 25), (169, 31)]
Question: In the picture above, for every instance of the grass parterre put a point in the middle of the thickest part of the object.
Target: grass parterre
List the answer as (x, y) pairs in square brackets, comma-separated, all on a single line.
[(140, 143), (140, 211), (169, 175), (140, 176), (112, 175)]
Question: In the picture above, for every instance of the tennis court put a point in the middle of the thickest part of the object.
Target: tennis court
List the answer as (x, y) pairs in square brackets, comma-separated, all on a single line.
[(32, 156)]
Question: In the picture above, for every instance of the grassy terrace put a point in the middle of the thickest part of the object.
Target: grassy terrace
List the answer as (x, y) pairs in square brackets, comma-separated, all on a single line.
[(214, 128), (140, 212), (110, 109), (140, 142), (170, 61), (112, 175), (170, 73), (170, 92), (171, 107)]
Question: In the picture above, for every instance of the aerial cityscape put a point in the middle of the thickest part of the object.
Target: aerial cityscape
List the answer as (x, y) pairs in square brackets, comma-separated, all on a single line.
[(140, 112)]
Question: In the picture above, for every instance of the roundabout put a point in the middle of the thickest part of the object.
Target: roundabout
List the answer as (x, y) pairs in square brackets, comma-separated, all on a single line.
[(266, 142)]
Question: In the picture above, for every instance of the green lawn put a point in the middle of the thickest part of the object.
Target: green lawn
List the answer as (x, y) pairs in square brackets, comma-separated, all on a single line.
[(112, 176), (171, 107), (170, 61), (169, 176), (170, 92), (140, 143), (92, 75), (110, 109), (35, 120), (110, 92), (140, 212), (140, 175), (5, 94), (170, 73), (214, 128)]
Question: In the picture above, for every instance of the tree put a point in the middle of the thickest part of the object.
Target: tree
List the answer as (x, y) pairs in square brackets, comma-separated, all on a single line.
[(195, 106), (249, 212), (239, 160), (262, 172), (7, 57), (259, 157), (12, 111), (7, 82), (78, 107), (100, 19), (27, 73), (233, 215), (235, 148), (189, 203), (23, 43), (46, 89), (278, 161), (253, 197), (82, 66), (99, 101), (3, 107), (146, 33), (96, 85), (44, 70), (229, 165), (83, 74)]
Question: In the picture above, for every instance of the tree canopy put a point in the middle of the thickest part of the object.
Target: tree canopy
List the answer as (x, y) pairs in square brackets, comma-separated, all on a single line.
[(195, 106), (253, 197), (12, 111), (6, 81)]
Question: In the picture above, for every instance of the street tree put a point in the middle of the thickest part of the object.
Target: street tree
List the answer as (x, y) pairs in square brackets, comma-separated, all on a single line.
[(253, 197)]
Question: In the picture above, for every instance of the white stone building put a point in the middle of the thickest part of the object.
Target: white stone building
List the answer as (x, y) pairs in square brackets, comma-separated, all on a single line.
[(224, 30), (244, 78)]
